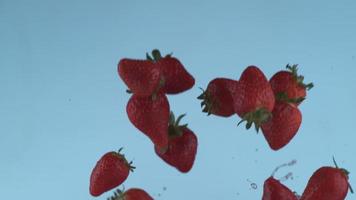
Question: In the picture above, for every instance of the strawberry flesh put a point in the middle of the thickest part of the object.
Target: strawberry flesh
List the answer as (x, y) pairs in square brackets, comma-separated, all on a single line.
[(274, 190), (327, 183), (283, 126), (110, 171), (151, 116)]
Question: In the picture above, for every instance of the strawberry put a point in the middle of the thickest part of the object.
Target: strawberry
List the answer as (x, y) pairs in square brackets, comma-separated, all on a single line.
[(217, 98), (176, 78), (288, 86), (131, 194), (151, 116), (253, 98), (329, 183), (182, 146), (274, 190), (142, 77), (283, 126), (109, 172)]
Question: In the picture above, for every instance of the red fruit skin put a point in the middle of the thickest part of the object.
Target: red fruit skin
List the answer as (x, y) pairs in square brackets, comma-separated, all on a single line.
[(252, 92), (274, 190), (109, 172), (150, 116), (142, 77), (283, 81), (177, 78), (136, 194), (181, 151), (283, 126), (327, 183), (220, 91)]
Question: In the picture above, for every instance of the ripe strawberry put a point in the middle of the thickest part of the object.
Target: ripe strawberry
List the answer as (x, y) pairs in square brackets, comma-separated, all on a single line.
[(110, 171), (182, 146), (274, 190), (176, 78), (283, 125), (142, 77), (151, 116), (253, 98), (131, 194), (329, 183), (288, 86), (217, 98)]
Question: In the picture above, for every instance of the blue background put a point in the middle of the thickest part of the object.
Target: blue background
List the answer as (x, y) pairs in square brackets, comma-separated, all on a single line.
[(62, 104)]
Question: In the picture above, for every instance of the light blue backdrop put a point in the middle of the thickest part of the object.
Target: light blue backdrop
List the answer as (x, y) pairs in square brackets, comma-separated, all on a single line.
[(62, 104)]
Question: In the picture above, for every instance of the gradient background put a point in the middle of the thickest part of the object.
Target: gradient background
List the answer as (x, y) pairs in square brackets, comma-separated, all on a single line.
[(62, 105)]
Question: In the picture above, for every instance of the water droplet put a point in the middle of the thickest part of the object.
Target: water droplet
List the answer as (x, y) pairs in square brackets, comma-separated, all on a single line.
[(254, 186), (286, 177)]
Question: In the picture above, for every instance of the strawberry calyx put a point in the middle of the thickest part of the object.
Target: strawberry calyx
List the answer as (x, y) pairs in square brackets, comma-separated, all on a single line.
[(283, 97), (299, 78), (118, 195), (174, 128), (345, 172), (207, 103), (156, 55), (256, 117), (122, 157)]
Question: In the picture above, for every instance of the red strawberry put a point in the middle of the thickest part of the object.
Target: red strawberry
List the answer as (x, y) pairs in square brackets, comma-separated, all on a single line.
[(253, 98), (142, 77), (110, 171), (283, 126), (176, 78), (151, 116), (182, 146), (217, 98), (327, 183), (288, 86), (274, 190), (131, 194)]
